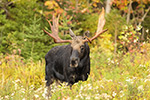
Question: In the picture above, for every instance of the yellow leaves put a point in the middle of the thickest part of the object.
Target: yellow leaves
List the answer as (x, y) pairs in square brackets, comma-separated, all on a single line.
[(94, 4), (97, 1), (51, 4), (106, 41)]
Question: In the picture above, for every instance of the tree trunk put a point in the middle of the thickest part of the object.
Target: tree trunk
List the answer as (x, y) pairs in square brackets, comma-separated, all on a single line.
[(129, 10), (108, 6)]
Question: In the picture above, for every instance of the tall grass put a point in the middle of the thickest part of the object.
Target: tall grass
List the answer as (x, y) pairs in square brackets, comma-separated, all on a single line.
[(117, 77)]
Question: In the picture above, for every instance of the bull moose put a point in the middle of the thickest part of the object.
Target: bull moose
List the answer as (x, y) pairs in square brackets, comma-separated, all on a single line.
[(69, 63)]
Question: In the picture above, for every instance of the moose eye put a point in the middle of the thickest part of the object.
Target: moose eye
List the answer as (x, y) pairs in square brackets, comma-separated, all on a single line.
[(82, 48)]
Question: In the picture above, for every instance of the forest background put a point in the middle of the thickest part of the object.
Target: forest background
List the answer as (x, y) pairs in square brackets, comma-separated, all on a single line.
[(120, 57)]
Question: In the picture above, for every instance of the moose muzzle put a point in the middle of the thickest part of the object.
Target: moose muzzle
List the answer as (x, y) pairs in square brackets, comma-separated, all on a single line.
[(74, 59)]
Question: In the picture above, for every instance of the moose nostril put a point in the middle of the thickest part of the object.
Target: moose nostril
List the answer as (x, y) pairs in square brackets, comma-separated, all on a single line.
[(73, 62)]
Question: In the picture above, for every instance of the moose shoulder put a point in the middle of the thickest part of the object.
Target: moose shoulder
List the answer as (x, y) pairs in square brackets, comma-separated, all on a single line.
[(69, 63)]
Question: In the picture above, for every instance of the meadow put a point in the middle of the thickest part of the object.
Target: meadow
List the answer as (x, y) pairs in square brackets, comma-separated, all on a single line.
[(120, 58), (112, 77)]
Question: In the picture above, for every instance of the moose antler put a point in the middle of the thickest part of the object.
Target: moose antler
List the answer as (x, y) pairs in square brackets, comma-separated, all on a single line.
[(101, 23), (54, 29)]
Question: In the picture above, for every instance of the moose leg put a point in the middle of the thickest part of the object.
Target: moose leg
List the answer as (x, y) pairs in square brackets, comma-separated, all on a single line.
[(49, 79), (48, 87)]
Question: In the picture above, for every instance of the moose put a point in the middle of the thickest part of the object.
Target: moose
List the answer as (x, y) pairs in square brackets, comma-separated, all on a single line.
[(69, 63)]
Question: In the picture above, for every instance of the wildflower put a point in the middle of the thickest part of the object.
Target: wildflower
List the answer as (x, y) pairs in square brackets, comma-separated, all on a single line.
[(12, 94), (23, 99), (138, 27), (89, 86), (88, 98), (147, 80), (32, 87), (39, 89), (6, 97), (22, 90), (134, 78), (148, 76), (114, 94), (16, 85), (36, 96), (110, 80), (112, 62), (140, 88), (129, 80), (81, 88), (18, 80), (142, 66), (105, 96), (97, 96), (147, 30), (45, 93), (102, 86), (121, 94), (108, 59), (135, 40)]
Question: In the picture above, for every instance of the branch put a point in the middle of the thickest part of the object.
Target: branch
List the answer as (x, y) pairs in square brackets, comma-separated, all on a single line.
[(144, 16)]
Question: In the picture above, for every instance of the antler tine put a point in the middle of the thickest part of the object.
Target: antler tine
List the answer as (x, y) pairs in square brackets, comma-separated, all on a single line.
[(101, 23), (54, 29)]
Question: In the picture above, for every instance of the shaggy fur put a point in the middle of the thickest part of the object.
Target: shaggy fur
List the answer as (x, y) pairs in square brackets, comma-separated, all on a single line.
[(58, 65)]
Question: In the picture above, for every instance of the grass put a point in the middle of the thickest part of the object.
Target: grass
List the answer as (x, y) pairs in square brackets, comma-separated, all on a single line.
[(117, 77)]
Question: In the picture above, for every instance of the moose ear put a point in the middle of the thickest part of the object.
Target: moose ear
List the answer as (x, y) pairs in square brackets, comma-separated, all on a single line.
[(87, 33), (71, 33)]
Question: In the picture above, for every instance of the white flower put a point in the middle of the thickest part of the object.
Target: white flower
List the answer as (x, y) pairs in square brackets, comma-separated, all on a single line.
[(45, 92), (142, 66), (129, 80), (97, 96), (135, 40), (36, 96), (139, 27), (22, 90), (121, 94), (81, 88), (147, 80), (23, 99), (102, 86), (140, 88), (12, 94), (114, 94), (112, 62), (88, 98), (105, 96), (18, 80), (6, 97), (147, 30), (148, 76)]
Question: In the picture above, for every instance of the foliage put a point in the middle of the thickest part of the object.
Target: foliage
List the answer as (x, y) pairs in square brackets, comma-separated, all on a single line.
[(112, 77), (23, 45), (135, 11), (114, 22), (14, 29), (129, 39), (103, 44), (146, 25)]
